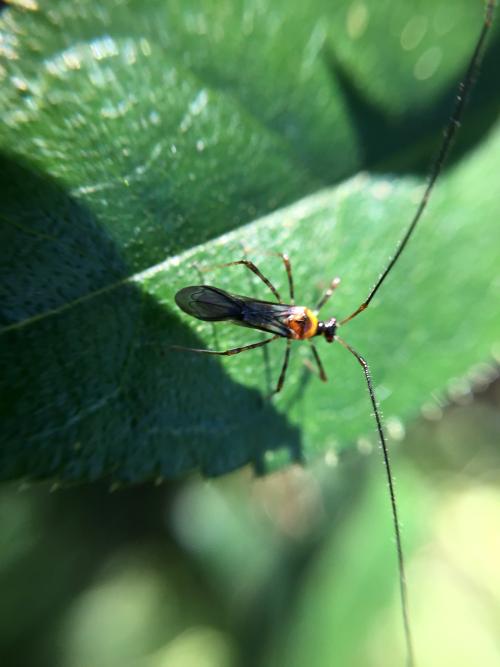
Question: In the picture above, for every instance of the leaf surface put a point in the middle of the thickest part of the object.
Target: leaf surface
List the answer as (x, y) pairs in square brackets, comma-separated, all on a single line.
[(135, 138)]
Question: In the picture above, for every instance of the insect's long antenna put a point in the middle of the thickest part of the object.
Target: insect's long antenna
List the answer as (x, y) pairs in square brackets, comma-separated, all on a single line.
[(464, 89), (410, 660)]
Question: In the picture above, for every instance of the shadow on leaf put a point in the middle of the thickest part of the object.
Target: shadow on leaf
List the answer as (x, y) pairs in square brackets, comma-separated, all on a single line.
[(85, 394)]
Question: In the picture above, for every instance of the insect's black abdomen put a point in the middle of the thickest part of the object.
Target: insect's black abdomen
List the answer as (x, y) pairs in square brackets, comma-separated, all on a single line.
[(208, 303)]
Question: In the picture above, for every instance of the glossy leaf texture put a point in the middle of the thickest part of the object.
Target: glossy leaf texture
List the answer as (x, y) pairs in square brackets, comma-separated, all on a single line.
[(141, 142)]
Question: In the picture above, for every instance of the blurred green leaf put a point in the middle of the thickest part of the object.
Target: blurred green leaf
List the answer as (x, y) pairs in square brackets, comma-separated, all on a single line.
[(135, 131), (350, 581)]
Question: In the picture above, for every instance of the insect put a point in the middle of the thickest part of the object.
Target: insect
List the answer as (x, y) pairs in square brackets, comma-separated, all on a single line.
[(299, 323)]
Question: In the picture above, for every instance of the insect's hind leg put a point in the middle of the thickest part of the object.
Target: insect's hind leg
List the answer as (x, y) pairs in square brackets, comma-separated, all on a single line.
[(232, 351), (251, 267), (288, 268), (265, 350)]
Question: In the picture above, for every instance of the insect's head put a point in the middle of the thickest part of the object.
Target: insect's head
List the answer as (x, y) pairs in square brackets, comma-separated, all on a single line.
[(327, 329)]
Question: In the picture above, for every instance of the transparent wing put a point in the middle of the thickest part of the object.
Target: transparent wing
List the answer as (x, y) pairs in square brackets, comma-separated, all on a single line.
[(209, 303)]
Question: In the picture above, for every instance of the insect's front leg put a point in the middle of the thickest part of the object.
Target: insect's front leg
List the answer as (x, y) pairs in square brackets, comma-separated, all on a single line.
[(333, 286)]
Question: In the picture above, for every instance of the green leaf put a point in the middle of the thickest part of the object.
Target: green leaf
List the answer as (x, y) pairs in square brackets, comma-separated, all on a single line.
[(134, 132)]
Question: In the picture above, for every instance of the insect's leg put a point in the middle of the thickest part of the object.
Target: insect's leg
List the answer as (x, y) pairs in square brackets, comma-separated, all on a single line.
[(451, 129), (288, 267), (333, 286), (392, 495), (265, 351), (319, 364), (251, 266), (281, 379), (228, 353), (196, 267)]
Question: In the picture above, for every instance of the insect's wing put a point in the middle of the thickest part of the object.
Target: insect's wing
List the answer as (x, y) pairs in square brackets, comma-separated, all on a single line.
[(266, 316), (208, 303)]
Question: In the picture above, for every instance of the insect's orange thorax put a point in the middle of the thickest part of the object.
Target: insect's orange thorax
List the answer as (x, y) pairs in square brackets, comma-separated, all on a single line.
[(302, 323)]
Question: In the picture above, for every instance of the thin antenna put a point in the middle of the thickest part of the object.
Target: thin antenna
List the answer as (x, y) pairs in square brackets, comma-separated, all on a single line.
[(410, 659), (464, 89)]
